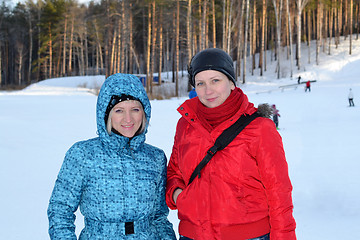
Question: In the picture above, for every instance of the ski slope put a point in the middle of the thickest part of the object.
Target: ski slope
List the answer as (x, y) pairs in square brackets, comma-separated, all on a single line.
[(320, 134)]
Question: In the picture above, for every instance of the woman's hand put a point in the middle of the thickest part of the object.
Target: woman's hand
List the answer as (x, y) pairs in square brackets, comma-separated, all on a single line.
[(176, 194)]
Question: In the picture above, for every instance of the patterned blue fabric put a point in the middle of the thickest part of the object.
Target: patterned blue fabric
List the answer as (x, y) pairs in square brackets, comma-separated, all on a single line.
[(113, 179)]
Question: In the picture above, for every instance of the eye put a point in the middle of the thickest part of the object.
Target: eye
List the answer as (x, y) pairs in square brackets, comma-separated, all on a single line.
[(118, 110), (199, 84), (216, 80), (136, 109)]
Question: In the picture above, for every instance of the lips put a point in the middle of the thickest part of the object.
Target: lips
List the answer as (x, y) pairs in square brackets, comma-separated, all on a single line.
[(127, 126), (211, 99)]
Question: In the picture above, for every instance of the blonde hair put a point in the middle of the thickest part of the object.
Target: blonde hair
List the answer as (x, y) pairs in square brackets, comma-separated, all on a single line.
[(139, 131)]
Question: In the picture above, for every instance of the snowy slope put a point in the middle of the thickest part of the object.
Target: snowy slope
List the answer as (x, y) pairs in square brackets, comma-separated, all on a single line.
[(320, 134)]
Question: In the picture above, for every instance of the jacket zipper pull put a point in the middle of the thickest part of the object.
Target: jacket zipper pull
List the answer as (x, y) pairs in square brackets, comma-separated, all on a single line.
[(131, 150)]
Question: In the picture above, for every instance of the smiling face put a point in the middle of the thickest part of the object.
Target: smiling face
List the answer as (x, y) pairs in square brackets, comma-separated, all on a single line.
[(127, 117), (213, 87)]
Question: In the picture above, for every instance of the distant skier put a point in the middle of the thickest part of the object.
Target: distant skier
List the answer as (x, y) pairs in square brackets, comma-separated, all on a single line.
[(351, 99), (275, 115), (299, 78), (307, 86)]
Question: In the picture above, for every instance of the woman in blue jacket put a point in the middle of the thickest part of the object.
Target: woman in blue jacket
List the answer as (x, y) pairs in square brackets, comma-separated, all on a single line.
[(116, 178)]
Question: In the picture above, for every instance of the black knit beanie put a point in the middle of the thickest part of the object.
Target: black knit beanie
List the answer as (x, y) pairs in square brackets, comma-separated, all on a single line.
[(211, 59)]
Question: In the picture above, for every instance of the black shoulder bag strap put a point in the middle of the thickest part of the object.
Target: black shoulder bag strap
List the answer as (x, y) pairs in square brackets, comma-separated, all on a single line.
[(223, 140)]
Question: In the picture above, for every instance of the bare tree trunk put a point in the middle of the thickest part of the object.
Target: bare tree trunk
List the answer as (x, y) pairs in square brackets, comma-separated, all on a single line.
[(229, 27), (50, 53), (123, 32), (309, 34), (39, 6), (278, 11), (19, 61), (118, 34), (120, 42), (357, 20), (200, 24), (266, 46), (203, 25), (153, 43), (240, 49), (148, 89), (63, 69), (131, 46), (346, 20), (340, 19), (224, 24), (86, 50), (325, 32), (188, 30), (331, 19), (71, 45), (99, 57), (30, 50), (177, 36), (112, 53), (81, 57), (318, 30), (189, 35), (252, 38), (351, 25), (1, 81), (290, 38), (213, 24), (160, 44), (300, 6), (246, 33), (262, 46)]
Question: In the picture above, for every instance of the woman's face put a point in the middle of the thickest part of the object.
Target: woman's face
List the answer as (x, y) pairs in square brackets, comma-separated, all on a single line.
[(127, 117), (213, 87)]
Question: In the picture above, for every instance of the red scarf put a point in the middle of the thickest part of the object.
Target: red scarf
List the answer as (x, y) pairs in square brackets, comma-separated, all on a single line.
[(212, 117)]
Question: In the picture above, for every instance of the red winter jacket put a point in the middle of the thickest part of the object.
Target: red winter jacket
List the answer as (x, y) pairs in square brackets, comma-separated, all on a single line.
[(244, 191)]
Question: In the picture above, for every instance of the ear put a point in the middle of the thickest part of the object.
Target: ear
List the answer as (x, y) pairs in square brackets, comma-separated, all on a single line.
[(232, 85)]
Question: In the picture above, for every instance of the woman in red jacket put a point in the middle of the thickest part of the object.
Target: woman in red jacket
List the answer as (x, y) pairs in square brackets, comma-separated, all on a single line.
[(244, 192)]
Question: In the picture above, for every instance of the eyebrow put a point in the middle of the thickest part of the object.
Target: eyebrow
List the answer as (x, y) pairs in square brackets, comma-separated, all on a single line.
[(211, 78)]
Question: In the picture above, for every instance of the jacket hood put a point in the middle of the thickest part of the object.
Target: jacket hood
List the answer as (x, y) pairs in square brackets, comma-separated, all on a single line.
[(119, 84)]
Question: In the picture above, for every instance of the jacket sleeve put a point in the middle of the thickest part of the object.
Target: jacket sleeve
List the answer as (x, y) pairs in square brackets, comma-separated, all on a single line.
[(162, 225), (174, 176), (65, 197), (273, 169)]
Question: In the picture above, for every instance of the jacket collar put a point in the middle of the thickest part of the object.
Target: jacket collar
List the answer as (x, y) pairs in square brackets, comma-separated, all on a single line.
[(188, 111)]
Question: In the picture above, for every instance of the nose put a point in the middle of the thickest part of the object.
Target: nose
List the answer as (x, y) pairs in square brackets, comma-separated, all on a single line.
[(208, 89), (127, 117)]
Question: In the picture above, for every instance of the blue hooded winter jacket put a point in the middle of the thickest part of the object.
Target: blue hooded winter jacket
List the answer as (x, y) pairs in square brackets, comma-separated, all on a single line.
[(113, 179)]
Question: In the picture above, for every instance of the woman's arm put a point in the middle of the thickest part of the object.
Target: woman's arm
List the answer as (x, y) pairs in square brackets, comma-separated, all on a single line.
[(175, 182), (161, 224), (273, 169), (65, 197)]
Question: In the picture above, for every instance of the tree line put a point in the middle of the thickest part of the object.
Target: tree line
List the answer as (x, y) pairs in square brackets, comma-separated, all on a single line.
[(56, 38)]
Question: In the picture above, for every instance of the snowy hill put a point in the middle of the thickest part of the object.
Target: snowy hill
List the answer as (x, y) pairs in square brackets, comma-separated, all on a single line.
[(320, 134)]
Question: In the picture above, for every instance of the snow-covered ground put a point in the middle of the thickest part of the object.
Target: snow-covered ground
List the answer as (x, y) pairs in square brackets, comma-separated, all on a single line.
[(320, 134)]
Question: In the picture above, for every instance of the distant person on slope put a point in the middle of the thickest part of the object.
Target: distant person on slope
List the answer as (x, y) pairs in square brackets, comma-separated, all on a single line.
[(299, 78), (351, 98), (275, 115), (244, 191), (192, 93), (308, 86), (116, 178)]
